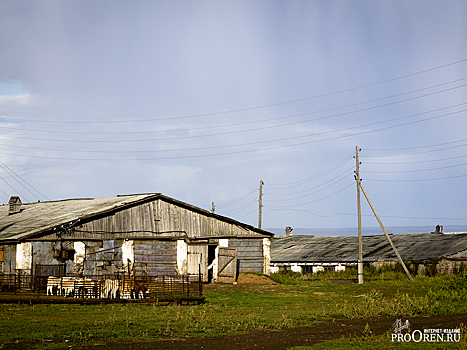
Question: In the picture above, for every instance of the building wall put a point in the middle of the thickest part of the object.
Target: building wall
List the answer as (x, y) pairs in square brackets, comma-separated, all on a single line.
[(249, 254), (155, 257), (157, 218), (9, 258)]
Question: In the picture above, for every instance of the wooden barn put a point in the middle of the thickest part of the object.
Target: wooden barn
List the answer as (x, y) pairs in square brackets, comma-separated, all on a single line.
[(141, 234)]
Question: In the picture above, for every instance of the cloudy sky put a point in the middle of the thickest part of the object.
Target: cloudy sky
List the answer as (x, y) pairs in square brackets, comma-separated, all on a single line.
[(200, 100)]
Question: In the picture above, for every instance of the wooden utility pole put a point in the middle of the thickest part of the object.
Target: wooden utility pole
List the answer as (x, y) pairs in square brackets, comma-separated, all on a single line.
[(387, 236), (261, 183), (360, 239)]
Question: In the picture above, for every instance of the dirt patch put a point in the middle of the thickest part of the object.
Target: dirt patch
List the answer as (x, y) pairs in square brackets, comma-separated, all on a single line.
[(254, 279), (283, 339)]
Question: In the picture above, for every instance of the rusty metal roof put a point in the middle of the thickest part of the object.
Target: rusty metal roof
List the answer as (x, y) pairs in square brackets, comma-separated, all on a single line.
[(35, 218), (419, 246)]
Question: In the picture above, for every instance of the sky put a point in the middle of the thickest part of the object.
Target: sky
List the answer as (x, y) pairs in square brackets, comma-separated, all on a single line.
[(201, 100)]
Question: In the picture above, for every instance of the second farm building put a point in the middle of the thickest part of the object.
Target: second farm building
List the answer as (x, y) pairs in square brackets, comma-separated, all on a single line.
[(143, 234)]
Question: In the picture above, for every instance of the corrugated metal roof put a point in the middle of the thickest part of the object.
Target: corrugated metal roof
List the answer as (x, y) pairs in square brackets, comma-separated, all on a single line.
[(39, 217), (419, 246)]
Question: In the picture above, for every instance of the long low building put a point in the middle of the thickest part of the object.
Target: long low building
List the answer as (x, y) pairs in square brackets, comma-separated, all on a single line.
[(139, 234), (318, 253)]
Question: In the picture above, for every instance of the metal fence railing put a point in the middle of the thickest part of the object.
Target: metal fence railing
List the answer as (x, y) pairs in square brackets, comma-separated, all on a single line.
[(118, 286)]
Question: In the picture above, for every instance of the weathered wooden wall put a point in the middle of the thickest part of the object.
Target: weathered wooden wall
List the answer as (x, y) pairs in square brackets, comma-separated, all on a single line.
[(9, 258), (198, 259), (249, 254), (154, 219), (155, 258)]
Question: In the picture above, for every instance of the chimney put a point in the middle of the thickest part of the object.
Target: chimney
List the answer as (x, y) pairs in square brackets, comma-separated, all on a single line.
[(288, 231), (15, 205)]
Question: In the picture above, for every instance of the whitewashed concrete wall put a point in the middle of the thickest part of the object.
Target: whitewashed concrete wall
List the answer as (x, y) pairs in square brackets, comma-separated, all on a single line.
[(182, 257), (128, 254), (266, 256), (24, 256)]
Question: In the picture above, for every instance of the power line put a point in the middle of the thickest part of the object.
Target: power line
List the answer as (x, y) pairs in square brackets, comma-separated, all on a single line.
[(237, 131), (368, 215), (403, 148), (5, 167), (419, 161), (255, 107), (320, 199), (300, 182), (234, 211), (308, 194), (16, 191), (237, 124), (259, 142), (418, 170), (259, 149), (433, 179), (236, 200), (6, 194), (251, 212), (341, 175), (417, 153)]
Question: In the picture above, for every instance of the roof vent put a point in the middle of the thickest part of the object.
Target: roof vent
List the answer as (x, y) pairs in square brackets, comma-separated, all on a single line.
[(288, 231), (15, 205)]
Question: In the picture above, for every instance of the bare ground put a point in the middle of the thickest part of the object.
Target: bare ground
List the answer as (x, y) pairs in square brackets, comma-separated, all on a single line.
[(283, 339)]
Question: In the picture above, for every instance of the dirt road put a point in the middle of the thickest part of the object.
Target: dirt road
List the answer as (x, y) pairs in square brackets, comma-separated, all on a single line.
[(286, 338)]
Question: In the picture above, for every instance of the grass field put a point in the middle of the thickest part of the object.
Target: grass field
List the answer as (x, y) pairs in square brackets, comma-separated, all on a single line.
[(235, 309)]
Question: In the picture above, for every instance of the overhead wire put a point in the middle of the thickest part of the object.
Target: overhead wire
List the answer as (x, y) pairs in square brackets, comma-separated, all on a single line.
[(239, 123), (418, 153), (255, 107), (255, 150), (367, 215), (233, 132), (227, 204), (234, 211), (319, 199), (418, 180), (257, 142), (417, 170), (308, 194), (418, 161), (251, 212), (300, 182), (414, 147), (8, 170), (14, 189)]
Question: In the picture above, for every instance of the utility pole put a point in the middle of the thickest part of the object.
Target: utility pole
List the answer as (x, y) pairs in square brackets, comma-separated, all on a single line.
[(360, 239), (387, 236), (261, 183), (213, 209)]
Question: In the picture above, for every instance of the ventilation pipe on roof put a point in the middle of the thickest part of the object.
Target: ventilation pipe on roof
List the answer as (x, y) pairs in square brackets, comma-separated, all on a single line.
[(288, 231), (15, 205)]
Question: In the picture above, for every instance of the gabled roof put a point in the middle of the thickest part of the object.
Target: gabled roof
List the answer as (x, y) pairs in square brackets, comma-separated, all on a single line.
[(419, 246), (36, 218)]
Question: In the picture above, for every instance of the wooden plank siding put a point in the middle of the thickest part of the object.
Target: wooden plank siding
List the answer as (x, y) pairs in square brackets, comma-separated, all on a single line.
[(249, 254), (155, 258)]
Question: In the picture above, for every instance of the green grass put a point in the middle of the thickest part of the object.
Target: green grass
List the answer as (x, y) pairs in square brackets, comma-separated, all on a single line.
[(231, 310), (382, 342)]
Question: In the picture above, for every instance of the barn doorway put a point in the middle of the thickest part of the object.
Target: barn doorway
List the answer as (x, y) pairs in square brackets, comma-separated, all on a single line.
[(211, 258)]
